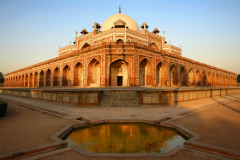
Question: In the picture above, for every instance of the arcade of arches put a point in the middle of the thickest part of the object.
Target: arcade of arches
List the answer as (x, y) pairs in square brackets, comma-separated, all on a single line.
[(120, 74)]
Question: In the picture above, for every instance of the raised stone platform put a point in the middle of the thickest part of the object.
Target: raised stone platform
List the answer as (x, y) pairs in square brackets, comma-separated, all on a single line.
[(120, 96)]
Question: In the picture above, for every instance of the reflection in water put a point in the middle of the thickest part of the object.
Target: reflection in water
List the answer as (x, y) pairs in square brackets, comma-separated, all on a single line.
[(125, 138)]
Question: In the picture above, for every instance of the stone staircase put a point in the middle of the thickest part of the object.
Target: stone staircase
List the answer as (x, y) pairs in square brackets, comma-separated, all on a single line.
[(120, 99)]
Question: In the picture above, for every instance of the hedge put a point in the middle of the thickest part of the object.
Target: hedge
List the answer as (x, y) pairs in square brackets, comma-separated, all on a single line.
[(3, 108)]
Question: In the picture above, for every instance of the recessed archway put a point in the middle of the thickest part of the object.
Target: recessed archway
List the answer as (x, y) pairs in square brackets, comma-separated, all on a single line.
[(56, 77), (191, 78), (26, 80), (183, 77), (41, 82), (66, 76), (94, 73), (48, 78), (204, 79), (173, 76), (119, 73), (198, 78), (78, 75), (145, 73), (36, 79)]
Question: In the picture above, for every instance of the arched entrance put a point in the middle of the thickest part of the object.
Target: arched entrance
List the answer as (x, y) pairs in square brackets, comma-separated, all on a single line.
[(119, 73), (48, 78), (204, 79), (198, 78), (41, 82), (183, 77), (159, 74), (145, 73), (56, 77), (36, 79), (78, 75), (66, 76), (94, 73), (191, 78), (173, 76)]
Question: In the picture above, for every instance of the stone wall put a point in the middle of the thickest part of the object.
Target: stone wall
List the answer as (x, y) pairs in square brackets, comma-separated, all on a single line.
[(119, 97)]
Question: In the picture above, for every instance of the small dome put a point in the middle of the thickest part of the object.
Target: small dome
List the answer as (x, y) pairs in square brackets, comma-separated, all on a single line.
[(129, 22), (119, 23)]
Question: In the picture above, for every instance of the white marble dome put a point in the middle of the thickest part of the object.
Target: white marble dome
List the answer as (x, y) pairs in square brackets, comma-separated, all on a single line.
[(109, 23)]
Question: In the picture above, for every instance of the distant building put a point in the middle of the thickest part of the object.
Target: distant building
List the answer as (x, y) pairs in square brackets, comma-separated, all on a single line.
[(119, 53)]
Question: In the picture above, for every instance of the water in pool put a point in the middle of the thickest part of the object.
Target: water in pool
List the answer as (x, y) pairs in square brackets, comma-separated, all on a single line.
[(125, 138)]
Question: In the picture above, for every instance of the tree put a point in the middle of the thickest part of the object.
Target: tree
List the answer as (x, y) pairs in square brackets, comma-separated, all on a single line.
[(238, 78), (1, 78)]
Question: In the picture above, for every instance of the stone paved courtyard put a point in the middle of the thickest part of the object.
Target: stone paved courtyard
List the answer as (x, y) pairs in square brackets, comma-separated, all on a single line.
[(30, 123)]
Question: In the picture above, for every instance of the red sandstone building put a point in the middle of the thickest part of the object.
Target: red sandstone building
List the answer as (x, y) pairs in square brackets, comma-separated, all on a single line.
[(118, 53)]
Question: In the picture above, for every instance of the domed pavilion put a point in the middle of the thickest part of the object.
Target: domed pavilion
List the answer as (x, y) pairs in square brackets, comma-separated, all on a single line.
[(120, 53)]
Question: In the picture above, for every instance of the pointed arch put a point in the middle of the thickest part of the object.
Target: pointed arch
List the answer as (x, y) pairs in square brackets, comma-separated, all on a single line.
[(145, 73), (198, 78), (66, 76), (119, 73), (204, 79), (56, 77), (48, 78), (36, 79), (191, 78), (31, 80), (173, 76), (78, 75), (94, 73), (183, 76), (41, 80)]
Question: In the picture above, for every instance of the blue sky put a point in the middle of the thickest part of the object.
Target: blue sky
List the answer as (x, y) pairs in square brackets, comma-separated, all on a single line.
[(32, 30)]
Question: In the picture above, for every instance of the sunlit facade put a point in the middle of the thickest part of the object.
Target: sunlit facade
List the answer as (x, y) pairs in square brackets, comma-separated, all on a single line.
[(119, 53)]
